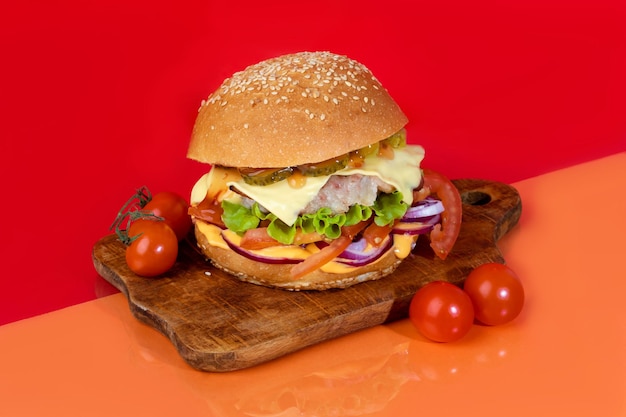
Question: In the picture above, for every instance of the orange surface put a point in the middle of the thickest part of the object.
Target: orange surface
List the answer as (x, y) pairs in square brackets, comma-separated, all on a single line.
[(564, 356)]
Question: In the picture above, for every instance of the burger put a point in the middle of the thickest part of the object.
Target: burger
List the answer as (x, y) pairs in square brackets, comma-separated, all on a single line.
[(312, 184)]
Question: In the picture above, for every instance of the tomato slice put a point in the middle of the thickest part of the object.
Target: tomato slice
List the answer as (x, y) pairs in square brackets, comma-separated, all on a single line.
[(259, 238), (375, 234), (328, 253), (444, 235)]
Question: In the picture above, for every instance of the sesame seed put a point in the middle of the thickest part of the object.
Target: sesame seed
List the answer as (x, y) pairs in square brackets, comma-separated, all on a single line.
[(245, 125), (313, 71)]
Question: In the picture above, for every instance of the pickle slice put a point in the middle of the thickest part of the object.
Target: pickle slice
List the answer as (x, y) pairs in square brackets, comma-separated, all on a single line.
[(264, 176), (368, 150), (397, 140), (326, 167), (267, 176)]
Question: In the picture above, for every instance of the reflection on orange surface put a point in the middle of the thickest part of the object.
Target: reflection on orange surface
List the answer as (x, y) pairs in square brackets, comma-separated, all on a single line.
[(356, 387), (352, 379), (341, 377)]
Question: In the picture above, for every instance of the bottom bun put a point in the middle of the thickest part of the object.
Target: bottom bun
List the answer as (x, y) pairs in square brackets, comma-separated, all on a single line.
[(279, 275)]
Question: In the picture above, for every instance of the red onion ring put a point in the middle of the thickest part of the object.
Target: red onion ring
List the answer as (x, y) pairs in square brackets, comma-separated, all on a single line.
[(423, 208), (416, 228), (256, 257), (357, 255)]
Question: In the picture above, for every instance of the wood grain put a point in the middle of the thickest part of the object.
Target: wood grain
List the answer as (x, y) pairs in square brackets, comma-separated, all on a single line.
[(218, 323)]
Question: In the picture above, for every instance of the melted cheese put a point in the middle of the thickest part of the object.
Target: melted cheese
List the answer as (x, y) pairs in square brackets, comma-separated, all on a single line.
[(215, 183), (402, 172), (213, 234), (280, 198), (403, 244)]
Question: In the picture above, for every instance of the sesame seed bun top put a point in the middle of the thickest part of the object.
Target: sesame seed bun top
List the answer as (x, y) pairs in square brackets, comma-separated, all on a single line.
[(291, 110)]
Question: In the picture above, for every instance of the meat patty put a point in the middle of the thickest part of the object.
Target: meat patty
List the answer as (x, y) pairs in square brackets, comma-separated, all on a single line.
[(341, 192)]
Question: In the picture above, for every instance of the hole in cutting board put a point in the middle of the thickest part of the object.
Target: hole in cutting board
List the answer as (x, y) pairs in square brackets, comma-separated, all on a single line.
[(476, 198)]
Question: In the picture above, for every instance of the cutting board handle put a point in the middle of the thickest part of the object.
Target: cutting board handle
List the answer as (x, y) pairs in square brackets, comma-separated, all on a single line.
[(498, 202)]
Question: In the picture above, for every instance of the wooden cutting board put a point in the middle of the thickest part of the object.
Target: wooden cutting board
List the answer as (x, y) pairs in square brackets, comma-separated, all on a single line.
[(218, 323)]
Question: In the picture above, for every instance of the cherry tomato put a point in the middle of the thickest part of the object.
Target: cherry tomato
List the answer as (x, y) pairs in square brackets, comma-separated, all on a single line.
[(173, 208), (441, 311), (155, 249), (496, 292)]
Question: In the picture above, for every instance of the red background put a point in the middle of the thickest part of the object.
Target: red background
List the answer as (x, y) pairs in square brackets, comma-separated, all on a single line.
[(98, 98)]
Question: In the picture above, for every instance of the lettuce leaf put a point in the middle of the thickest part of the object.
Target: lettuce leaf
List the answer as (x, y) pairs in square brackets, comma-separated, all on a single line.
[(386, 209), (239, 218)]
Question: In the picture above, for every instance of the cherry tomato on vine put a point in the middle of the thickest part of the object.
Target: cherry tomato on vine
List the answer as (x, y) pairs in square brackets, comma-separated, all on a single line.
[(496, 292), (441, 311), (173, 208), (154, 250)]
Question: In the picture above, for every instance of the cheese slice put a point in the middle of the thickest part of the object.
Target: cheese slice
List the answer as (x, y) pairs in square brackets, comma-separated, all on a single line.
[(402, 172), (280, 198)]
